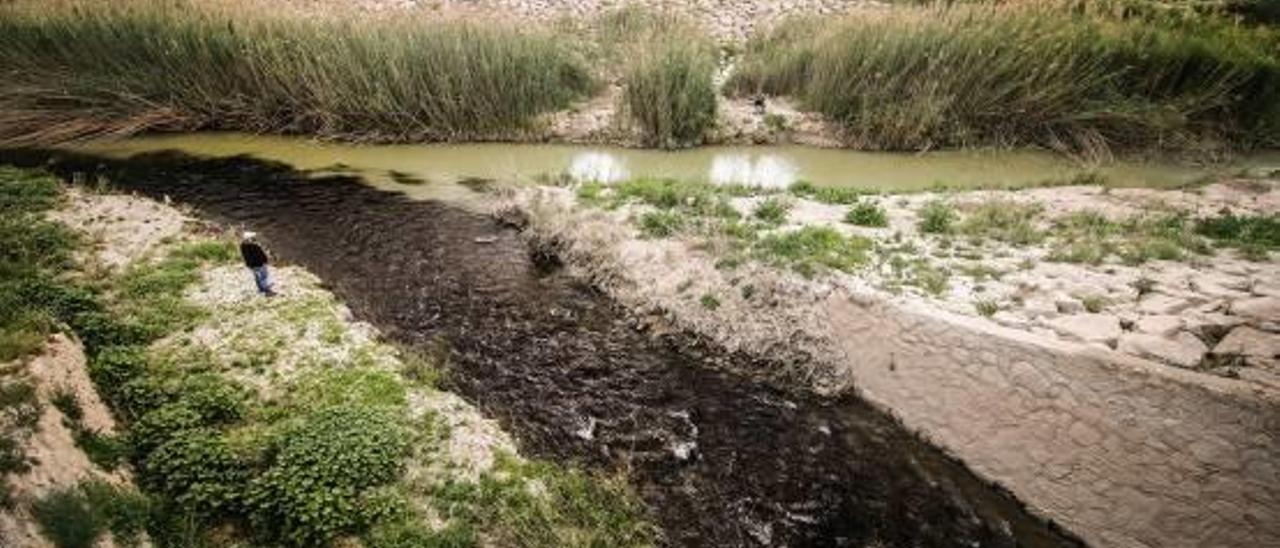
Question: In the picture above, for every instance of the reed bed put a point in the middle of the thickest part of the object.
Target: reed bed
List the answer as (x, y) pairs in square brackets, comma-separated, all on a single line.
[(1038, 73), (78, 70), (667, 74)]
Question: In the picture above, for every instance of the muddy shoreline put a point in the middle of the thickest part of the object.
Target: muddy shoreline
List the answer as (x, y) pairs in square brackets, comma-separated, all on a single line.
[(720, 460)]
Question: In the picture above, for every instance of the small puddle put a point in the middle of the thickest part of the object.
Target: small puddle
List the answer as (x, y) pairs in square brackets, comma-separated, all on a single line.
[(429, 171), (720, 460)]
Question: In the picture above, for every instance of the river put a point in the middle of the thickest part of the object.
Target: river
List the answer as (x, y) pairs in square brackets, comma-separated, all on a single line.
[(721, 460)]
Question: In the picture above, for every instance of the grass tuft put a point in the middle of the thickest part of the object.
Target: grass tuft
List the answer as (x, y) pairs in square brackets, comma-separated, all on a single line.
[(772, 211), (867, 213), (937, 217), (809, 249)]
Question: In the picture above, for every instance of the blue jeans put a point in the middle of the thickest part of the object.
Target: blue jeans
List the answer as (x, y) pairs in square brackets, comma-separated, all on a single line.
[(262, 277)]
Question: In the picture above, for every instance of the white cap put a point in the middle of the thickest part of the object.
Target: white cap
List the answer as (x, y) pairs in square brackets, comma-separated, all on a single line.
[(249, 234)]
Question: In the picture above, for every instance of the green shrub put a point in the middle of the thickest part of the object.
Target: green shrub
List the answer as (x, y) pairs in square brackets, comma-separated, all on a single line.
[(867, 213), (99, 330), (827, 194), (937, 217), (1004, 221), (207, 251), (25, 191), (932, 279), (327, 388), (1242, 231), (19, 405), (986, 308), (66, 520), (77, 516), (709, 301), (321, 474), (113, 367), (660, 224), (772, 211), (104, 450), (157, 427), (197, 469), (811, 248), (216, 399), (68, 404), (124, 512)]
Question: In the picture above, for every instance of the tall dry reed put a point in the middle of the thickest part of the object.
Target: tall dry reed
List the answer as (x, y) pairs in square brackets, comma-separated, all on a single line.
[(84, 70)]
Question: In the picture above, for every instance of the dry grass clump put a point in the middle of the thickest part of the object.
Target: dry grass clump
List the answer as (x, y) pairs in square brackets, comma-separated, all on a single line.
[(79, 70), (1090, 79)]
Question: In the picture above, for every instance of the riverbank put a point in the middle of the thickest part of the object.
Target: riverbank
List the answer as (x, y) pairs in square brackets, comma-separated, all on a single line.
[(591, 72), (220, 395), (1115, 331)]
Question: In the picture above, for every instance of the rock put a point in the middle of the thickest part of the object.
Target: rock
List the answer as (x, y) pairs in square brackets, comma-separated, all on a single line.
[(1009, 319), (1163, 304), (1182, 350), (1257, 309), (1068, 305), (1267, 288), (1103, 328), (1259, 348), (1159, 324), (1210, 326), (1040, 307)]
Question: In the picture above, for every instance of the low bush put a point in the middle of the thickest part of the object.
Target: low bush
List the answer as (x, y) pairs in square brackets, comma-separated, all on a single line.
[(660, 224), (66, 520), (198, 469), (321, 475), (1004, 221), (827, 194), (867, 213), (937, 217), (75, 517), (772, 211), (809, 249)]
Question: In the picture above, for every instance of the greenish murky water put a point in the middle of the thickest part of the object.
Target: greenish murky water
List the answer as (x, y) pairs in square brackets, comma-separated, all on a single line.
[(432, 171)]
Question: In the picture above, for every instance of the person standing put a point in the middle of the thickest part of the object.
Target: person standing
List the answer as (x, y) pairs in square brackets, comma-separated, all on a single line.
[(256, 259)]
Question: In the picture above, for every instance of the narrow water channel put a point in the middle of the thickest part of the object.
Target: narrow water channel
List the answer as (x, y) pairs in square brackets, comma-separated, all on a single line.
[(720, 460), (431, 170)]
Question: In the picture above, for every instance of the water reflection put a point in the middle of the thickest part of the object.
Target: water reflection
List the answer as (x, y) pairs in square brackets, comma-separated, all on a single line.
[(597, 166), (765, 171)]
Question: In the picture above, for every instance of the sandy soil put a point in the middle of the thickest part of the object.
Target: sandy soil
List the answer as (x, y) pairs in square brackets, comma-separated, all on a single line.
[(58, 463), (121, 228)]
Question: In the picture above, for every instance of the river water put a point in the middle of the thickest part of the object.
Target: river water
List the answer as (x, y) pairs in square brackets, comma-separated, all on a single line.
[(721, 460), (432, 171)]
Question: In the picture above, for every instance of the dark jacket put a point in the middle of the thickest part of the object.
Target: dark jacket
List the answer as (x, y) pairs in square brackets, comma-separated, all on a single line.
[(253, 254)]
